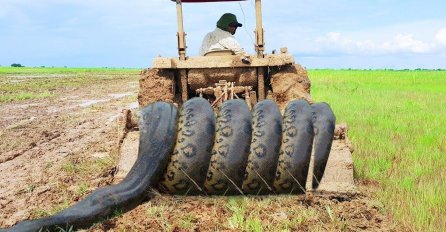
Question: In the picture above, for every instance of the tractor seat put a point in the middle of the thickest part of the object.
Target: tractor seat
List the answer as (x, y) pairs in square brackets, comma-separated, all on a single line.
[(225, 52)]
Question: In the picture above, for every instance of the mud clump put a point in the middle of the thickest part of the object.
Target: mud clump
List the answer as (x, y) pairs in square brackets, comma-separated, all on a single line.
[(156, 85), (203, 78), (289, 83)]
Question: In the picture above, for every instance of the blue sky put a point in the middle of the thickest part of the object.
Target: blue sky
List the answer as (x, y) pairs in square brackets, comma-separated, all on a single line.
[(320, 33)]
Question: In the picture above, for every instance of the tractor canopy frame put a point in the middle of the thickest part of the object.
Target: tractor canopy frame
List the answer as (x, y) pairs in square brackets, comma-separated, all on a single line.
[(181, 35)]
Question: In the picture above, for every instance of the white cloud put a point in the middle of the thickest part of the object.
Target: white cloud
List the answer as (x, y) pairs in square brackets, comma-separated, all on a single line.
[(407, 43), (441, 36), (336, 42)]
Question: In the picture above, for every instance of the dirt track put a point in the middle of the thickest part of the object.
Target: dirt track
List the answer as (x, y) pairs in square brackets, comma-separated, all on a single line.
[(55, 151)]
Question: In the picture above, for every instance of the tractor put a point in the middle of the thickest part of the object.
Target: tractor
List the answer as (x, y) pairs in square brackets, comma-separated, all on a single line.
[(215, 124)]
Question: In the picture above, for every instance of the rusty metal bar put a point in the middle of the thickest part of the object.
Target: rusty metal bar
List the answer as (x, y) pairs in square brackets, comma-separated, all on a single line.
[(260, 43), (181, 35)]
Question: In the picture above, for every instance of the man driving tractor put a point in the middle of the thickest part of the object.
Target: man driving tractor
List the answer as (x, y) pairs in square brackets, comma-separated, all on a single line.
[(222, 38)]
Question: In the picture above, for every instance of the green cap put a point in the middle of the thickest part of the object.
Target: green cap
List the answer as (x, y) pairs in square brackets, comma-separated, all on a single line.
[(226, 20)]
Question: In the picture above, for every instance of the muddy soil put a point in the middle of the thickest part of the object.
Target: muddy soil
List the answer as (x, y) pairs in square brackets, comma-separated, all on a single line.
[(54, 152), (44, 143), (275, 213)]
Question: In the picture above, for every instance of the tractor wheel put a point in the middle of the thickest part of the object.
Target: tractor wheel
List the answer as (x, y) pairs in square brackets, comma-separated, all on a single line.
[(265, 147), (295, 152), (156, 85), (231, 149), (324, 125), (290, 83), (189, 163)]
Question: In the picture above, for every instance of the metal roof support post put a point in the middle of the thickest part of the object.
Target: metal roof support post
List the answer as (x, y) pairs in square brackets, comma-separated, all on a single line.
[(181, 35), (260, 44)]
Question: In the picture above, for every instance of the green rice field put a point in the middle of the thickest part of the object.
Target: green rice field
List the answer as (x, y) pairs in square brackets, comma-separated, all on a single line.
[(397, 122), (18, 84)]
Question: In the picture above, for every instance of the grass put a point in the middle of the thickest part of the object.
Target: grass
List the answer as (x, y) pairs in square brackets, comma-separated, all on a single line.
[(253, 214), (18, 84), (235, 213), (20, 96), (82, 189), (158, 213), (61, 70), (48, 211), (89, 167), (397, 122)]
